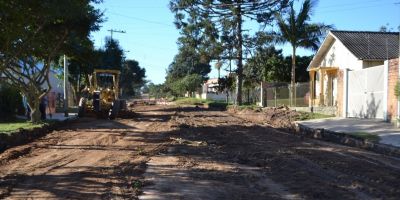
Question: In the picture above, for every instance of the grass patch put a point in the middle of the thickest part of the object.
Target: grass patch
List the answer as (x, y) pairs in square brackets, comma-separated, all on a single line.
[(309, 115), (366, 136), (245, 107), (16, 125), (191, 101)]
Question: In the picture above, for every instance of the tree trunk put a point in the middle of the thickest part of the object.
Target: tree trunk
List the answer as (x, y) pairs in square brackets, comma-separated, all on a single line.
[(293, 82), (239, 70), (34, 106), (248, 95)]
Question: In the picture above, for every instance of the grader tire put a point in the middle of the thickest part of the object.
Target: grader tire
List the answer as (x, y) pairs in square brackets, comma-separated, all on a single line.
[(81, 108), (115, 109)]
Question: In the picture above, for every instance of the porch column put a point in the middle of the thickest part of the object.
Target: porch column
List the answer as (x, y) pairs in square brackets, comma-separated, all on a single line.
[(312, 89), (345, 92), (321, 84), (329, 87)]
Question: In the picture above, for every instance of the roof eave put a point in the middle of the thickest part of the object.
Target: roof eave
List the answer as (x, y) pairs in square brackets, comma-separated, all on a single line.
[(320, 52)]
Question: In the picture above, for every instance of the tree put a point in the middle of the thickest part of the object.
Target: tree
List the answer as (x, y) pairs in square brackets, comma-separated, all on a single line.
[(157, 90), (297, 30), (218, 67), (227, 84), (221, 22), (302, 63), (186, 63), (132, 78), (192, 82), (266, 65), (36, 34), (112, 55)]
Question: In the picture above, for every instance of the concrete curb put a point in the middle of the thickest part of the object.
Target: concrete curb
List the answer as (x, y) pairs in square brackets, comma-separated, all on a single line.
[(346, 139), (22, 136)]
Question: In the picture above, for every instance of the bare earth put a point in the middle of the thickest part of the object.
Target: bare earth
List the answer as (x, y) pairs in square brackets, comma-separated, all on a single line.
[(178, 153)]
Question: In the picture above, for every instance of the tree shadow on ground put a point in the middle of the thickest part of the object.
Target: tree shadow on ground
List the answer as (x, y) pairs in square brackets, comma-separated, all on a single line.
[(83, 183), (230, 160)]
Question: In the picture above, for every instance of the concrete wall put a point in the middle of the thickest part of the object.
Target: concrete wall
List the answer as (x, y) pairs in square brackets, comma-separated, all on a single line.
[(392, 99), (212, 96), (327, 110)]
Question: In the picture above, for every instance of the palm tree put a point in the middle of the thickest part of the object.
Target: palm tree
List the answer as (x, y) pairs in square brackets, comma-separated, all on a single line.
[(218, 66), (297, 30)]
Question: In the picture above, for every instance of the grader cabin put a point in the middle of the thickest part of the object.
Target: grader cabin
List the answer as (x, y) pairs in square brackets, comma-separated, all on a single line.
[(354, 73)]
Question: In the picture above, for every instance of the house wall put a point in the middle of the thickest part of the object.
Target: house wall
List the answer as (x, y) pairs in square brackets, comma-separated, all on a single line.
[(339, 56), (393, 78)]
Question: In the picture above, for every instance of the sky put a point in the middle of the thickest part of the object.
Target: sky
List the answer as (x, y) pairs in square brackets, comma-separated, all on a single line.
[(150, 35)]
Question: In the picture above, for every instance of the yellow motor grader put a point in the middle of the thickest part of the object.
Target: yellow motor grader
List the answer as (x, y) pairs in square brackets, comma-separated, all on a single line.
[(102, 96)]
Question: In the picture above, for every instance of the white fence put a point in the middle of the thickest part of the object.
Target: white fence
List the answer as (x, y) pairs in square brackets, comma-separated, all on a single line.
[(366, 93)]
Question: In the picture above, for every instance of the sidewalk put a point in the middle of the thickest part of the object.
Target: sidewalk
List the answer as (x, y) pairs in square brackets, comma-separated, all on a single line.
[(387, 132), (61, 117)]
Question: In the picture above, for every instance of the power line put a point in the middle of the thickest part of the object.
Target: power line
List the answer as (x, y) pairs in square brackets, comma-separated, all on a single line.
[(141, 19), (348, 4)]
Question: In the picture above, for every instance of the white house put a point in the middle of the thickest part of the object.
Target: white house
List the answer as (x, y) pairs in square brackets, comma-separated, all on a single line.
[(210, 91), (354, 72)]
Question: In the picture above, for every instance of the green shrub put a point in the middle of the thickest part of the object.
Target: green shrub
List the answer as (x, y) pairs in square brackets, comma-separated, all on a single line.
[(397, 89), (10, 102)]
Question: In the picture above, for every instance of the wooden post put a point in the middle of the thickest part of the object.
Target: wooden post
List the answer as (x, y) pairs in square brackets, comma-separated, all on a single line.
[(275, 96), (262, 95)]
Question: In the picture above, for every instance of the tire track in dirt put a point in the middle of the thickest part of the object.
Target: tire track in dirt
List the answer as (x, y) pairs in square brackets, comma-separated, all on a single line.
[(92, 159), (191, 154), (305, 168)]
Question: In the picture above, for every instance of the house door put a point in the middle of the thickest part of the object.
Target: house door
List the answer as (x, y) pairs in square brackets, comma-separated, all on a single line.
[(366, 92), (331, 89)]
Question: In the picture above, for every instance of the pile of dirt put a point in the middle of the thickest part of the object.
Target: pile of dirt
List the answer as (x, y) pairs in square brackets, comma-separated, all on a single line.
[(277, 117), (280, 117)]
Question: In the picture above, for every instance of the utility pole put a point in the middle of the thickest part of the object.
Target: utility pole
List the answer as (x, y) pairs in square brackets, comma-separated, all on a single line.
[(115, 31), (398, 76), (65, 87)]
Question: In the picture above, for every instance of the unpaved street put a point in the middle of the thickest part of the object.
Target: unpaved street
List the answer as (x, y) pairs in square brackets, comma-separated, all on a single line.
[(188, 153)]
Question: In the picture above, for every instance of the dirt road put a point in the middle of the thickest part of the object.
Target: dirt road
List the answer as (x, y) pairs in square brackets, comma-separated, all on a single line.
[(177, 153)]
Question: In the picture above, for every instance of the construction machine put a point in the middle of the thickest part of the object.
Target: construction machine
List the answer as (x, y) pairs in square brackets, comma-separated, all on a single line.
[(101, 97)]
